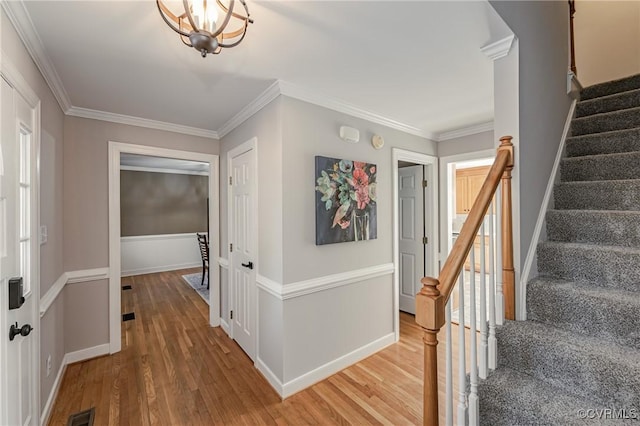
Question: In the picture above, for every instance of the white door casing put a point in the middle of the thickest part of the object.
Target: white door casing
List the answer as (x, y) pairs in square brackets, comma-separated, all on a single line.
[(411, 227), (243, 245), (19, 250)]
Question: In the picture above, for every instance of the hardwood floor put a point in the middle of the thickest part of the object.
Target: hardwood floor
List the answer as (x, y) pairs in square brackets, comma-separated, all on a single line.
[(176, 370)]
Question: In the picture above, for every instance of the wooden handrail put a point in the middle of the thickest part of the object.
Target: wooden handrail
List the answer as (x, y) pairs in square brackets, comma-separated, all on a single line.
[(435, 292), (572, 11)]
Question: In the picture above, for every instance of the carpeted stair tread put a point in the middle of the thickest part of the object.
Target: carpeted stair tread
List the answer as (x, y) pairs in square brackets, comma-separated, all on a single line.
[(510, 398), (603, 313), (614, 102), (606, 122), (598, 195), (618, 166), (586, 366), (610, 87), (607, 266), (627, 140), (606, 227)]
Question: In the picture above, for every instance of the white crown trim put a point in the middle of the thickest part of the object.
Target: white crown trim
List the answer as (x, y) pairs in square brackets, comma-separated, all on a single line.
[(303, 94), (21, 20), (141, 122), (263, 99), (466, 131), (498, 49)]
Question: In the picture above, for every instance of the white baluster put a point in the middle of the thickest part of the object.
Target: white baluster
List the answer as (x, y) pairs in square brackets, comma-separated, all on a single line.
[(449, 365), (499, 294), (483, 306), (462, 369), (493, 343), (473, 331)]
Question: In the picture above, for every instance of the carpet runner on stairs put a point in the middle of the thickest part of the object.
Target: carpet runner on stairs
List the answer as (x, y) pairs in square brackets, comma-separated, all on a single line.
[(577, 358)]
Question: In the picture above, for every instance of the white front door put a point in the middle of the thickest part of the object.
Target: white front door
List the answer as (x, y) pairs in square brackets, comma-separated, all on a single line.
[(412, 231), (18, 259), (243, 248)]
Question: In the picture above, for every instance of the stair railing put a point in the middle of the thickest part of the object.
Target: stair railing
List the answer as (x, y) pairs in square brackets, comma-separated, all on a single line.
[(572, 11), (434, 301)]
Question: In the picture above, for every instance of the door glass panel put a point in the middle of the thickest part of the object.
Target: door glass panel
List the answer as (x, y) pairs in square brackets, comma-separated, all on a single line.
[(25, 209)]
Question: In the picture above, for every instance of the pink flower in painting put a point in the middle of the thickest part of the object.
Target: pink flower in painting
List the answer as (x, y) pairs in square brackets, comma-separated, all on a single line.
[(372, 169), (344, 224), (361, 186), (360, 178), (359, 164), (362, 197)]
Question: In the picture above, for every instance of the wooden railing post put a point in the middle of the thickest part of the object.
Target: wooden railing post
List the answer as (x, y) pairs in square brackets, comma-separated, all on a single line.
[(572, 11), (508, 273), (430, 316)]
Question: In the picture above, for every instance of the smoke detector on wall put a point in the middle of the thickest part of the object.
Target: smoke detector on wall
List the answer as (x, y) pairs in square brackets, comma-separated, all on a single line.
[(349, 134)]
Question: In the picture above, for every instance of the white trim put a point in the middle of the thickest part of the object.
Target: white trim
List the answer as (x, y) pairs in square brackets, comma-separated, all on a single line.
[(316, 98), (273, 380), (87, 275), (52, 294), (162, 170), (223, 262), (270, 286), (53, 394), (115, 149), (498, 49), (263, 99), (431, 229), (314, 285), (466, 131), (21, 20), (225, 325), (332, 367), (160, 236), (165, 268), (86, 354), (531, 254), (140, 122), (9, 70)]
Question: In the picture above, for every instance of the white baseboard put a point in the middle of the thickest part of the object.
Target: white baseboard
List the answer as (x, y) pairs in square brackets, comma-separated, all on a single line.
[(332, 367), (225, 326), (69, 358), (270, 376), (165, 268)]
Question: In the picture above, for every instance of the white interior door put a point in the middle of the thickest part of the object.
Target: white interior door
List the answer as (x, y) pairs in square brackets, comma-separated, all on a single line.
[(411, 242), (243, 249), (18, 258)]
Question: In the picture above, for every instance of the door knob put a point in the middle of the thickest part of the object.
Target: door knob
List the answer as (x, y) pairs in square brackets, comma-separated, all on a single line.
[(248, 265), (14, 330)]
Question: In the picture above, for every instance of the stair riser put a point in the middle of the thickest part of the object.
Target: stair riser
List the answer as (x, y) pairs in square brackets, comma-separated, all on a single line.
[(608, 319), (604, 167), (611, 87), (607, 268), (619, 120), (587, 374), (608, 104), (612, 228), (605, 143), (598, 196)]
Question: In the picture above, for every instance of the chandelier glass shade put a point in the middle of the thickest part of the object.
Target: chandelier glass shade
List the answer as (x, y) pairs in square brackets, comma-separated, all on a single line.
[(208, 25)]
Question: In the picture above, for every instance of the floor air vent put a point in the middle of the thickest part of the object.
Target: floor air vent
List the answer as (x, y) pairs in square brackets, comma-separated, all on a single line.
[(83, 418), (126, 287), (128, 317)]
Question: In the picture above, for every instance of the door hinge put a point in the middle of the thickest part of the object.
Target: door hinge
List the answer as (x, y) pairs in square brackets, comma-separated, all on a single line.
[(425, 240), (424, 183), (231, 248), (230, 180), (231, 315)]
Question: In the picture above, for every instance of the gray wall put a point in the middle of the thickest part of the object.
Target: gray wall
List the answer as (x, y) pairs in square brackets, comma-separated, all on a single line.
[(162, 203), (51, 330), (542, 31), (472, 143)]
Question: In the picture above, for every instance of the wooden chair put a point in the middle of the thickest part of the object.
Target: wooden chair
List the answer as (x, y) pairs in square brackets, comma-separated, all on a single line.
[(204, 253)]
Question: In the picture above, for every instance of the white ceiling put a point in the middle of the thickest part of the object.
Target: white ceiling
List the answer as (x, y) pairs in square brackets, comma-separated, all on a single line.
[(417, 63), (147, 162)]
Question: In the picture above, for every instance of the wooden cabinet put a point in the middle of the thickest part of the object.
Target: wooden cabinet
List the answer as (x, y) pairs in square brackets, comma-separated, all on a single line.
[(468, 184)]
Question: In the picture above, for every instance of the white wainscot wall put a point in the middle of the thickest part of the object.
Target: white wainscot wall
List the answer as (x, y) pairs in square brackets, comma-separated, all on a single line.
[(157, 253)]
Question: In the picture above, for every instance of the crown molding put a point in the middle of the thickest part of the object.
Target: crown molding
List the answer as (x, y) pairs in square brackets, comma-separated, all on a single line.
[(498, 49), (466, 131), (303, 94), (141, 122), (21, 20), (263, 99)]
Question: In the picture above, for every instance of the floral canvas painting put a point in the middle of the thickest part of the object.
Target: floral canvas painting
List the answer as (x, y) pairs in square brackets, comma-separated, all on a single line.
[(346, 201)]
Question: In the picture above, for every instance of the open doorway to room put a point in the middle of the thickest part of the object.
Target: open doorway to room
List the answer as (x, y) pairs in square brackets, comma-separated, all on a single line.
[(415, 237), (160, 202)]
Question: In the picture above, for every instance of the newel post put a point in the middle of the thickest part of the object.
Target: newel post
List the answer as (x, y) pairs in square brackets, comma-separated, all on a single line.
[(508, 273), (430, 316)]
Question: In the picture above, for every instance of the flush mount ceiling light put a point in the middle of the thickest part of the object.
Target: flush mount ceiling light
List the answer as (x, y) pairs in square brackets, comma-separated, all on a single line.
[(199, 25)]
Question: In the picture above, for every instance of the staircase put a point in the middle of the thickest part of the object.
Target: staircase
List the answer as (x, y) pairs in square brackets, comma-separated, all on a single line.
[(580, 348)]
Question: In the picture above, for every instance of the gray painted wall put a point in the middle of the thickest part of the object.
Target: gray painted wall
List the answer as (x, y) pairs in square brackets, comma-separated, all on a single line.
[(465, 144), (162, 203), (51, 331)]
